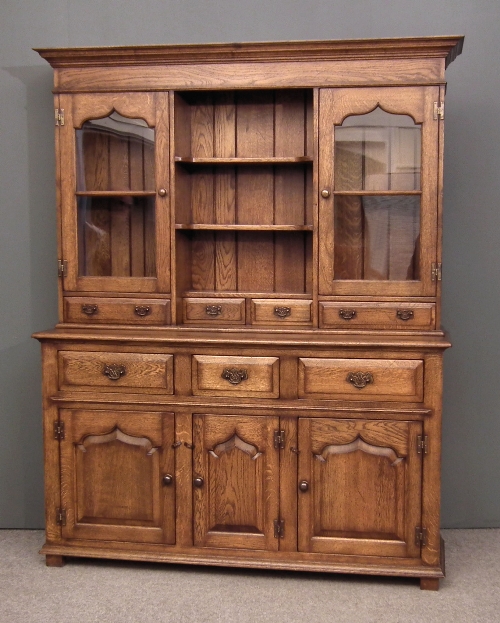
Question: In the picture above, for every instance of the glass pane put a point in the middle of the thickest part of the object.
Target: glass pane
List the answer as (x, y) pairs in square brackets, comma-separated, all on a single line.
[(116, 236), (377, 237), (115, 153), (377, 151)]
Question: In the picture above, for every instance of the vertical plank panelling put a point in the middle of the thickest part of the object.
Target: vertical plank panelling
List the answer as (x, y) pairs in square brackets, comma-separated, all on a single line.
[(119, 180), (348, 237), (289, 123), (203, 260), (255, 195), (202, 127), (255, 124), (255, 262), (289, 262), (137, 209), (226, 278)]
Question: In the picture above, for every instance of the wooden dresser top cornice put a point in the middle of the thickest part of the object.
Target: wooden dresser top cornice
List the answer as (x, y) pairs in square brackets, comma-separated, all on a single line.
[(448, 47)]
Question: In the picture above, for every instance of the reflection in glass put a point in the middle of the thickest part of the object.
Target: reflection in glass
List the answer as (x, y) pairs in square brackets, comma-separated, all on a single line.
[(377, 237), (377, 151), (116, 236), (115, 153)]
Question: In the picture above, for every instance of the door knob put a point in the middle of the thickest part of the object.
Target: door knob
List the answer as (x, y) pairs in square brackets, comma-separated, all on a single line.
[(198, 482), (325, 193), (168, 479), (304, 485), (162, 192)]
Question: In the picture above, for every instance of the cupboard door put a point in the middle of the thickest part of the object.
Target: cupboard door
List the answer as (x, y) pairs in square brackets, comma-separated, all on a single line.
[(113, 465), (236, 481), (364, 487), (378, 171), (115, 192)]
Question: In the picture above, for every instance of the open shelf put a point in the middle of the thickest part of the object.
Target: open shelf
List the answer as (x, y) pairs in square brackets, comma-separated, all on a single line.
[(230, 227), (237, 161)]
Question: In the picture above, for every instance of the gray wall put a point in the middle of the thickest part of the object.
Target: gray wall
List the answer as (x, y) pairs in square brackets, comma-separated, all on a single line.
[(471, 459)]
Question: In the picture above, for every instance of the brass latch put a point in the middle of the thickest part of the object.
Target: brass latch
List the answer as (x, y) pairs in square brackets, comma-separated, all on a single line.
[(438, 110)]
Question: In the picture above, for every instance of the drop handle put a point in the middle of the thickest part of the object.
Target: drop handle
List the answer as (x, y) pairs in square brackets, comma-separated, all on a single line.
[(198, 482), (304, 486), (167, 480), (113, 371)]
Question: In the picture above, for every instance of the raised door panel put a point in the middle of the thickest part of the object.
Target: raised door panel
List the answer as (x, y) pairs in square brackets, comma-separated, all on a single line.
[(378, 168), (115, 221), (112, 469), (364, 493), (236, 466)]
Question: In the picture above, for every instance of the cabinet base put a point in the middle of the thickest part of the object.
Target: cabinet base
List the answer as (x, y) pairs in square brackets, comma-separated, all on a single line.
[(282, 561)]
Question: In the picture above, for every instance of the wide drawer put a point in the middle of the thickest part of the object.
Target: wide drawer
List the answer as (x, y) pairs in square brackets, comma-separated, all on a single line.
[(115, 371), (362, 379), (376, 315), (278, 312), (116, 311), (214, 311), (256, 377)]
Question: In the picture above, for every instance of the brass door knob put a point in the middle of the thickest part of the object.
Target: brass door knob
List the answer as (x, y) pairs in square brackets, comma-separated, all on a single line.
[(162, 192), (198, 482), (168, 479), (304, 485), (325, 193)]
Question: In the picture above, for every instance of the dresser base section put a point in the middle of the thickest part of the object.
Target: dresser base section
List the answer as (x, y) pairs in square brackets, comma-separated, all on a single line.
[(280, 561)]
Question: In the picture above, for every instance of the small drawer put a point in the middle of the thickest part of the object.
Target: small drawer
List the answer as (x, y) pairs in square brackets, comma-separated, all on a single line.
[(280, 311), (256, 377), (216, 311), (400, 380), (337, 315), (116, 372), (116, 311)]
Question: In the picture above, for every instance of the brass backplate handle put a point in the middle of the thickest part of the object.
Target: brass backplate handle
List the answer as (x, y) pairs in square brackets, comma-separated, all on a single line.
[(359, 379), (90, 310), (113, 371), (405, 314), (234, 376), (282, 312), (347, 314), (142, 310), (213, 310)]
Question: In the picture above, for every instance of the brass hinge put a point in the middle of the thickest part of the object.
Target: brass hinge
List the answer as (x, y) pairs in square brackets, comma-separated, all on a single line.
[(438, 110), (279, 528), (60, 517), (62, 268), (279, 439), (420, 536), (422, 444), (59, 433), (59, 116), (436, 271)]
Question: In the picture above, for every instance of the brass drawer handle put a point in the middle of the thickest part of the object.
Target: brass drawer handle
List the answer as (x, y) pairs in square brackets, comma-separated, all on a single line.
[(142, 310), (359, 379), (213, 310), (405, 314), (234, 376), (347, 314), (90, 310), (113, 371), (282, 312)]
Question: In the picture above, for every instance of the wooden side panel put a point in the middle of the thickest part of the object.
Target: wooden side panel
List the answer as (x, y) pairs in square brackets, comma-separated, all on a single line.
[(364, 487), (239, 497), (112, 467)]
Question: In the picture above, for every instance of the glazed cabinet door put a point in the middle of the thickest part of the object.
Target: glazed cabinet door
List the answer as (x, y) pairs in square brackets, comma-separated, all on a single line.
[(378, 183), (114, 192), (236, 481), (117, 471), (362, 491)]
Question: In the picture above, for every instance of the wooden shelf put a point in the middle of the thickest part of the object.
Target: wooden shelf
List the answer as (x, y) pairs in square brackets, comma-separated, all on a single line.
[(116, 193), (235, 161), (230, 227), (359, 193)]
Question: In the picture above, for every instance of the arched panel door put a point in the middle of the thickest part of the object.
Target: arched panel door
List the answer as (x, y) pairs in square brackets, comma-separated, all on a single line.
[(363, 493), (114, 194), (378, 181)]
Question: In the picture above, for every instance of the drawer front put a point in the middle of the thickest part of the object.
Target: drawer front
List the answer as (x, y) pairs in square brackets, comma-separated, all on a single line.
[(214, 311), (376, 315), (281, 312), (116, 311), (398, 380), (115, 372), (256, 377)]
